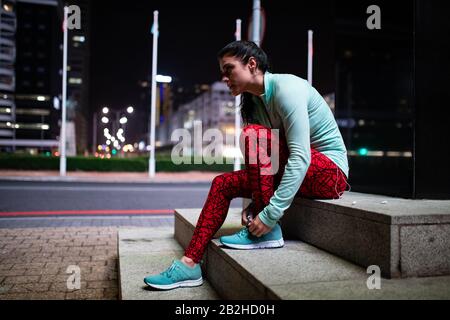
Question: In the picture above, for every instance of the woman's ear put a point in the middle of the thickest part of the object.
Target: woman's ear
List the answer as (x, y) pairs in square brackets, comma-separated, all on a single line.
[(252, 64)]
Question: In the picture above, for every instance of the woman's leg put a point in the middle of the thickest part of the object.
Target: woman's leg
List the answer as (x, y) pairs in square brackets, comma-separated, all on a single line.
[(323, 180), (223, 189), (258, 143), (248, 183)]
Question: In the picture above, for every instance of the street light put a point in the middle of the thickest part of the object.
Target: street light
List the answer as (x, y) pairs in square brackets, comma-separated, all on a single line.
[(155, 32), (117, 120), (123, 120), (163, 79)]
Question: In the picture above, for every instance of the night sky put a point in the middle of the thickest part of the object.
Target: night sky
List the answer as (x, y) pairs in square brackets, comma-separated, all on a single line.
[(191, 33)]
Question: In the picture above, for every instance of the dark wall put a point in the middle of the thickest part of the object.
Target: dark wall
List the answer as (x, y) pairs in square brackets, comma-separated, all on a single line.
[(432, 97), (374, 95), (395, 80)]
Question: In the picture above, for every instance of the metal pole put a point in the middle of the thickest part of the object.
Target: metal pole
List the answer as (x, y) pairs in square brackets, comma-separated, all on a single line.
[(62, 139), (237, 119), (94, 133), (310, 55), (151, 164), (256, 22)]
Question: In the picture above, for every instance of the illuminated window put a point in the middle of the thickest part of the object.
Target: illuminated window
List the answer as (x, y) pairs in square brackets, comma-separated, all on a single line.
[(75, 81), (79, 38)]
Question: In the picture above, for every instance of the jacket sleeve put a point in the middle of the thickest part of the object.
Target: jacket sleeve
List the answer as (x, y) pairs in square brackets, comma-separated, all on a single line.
[(291, 102)]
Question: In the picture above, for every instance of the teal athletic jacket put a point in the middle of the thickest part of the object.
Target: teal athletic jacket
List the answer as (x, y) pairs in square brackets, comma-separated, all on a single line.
[(305, 120)]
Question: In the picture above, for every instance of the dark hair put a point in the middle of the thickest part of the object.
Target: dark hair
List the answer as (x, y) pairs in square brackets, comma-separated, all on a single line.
[(244, 50)]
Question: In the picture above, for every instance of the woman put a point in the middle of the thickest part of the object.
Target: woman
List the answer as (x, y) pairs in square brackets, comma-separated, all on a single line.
[(311, 154)]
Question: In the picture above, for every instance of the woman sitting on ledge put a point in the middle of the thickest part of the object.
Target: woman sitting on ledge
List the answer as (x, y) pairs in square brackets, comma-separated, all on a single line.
[(312, 160)]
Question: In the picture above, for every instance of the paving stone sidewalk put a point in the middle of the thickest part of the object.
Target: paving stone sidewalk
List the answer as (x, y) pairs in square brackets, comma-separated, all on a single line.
[(34, 263)]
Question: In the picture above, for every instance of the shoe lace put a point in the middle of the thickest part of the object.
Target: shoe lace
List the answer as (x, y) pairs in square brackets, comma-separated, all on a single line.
[(243, 232), (169, 271)]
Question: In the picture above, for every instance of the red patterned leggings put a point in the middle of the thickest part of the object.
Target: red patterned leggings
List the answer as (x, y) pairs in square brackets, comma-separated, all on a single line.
[(323, 180)]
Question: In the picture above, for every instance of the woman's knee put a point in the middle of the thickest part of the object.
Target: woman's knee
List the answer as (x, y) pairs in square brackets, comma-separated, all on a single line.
[(218, 180)]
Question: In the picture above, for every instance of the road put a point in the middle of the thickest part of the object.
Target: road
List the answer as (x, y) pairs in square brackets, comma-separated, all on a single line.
[(41, 204)]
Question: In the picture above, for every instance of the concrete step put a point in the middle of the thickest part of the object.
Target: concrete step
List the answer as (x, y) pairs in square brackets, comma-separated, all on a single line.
[(404, 237), (144, 251), (296, 271)]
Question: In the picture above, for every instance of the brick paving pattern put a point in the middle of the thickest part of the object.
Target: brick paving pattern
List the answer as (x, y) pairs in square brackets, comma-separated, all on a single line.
[(34, 263)]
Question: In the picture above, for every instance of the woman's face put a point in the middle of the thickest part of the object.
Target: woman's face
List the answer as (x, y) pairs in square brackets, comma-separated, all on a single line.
[(235, 74)]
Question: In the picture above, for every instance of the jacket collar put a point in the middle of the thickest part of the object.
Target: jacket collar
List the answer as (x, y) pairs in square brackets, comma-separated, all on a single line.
[(268, 86)]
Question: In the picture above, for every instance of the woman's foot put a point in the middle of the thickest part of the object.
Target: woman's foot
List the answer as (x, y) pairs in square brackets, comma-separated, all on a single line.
[(188, 261), (177, 275), (245, 240)]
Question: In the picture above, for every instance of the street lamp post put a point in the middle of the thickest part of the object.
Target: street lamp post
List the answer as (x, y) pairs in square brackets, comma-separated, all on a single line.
[(94, 132), (62, 138), (256, 21), (155, 31), (310, 56), (237, 119)]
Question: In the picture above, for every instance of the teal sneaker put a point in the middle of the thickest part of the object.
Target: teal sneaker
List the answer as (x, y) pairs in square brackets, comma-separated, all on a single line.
[(177, 275), (245, 240)]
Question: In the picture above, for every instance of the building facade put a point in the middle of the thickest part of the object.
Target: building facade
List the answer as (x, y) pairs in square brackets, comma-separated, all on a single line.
[(212, 109), (31, 53), (8, 27), (31, 77)]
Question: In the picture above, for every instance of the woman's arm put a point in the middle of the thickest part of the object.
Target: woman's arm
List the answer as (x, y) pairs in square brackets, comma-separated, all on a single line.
[(291, 101)]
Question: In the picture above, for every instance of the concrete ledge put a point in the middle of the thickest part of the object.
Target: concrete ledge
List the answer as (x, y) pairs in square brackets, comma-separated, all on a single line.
[(296, 271), (405, 238), (144, 251)]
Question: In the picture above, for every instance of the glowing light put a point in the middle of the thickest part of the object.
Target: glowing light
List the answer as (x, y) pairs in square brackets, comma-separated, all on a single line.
[(363, 151), (123, 120), (7, 7), (79, 38), (163, 79)]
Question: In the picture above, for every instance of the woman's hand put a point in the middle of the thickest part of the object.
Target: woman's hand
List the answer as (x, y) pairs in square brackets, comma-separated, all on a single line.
[(258, 228), (245, 213)]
